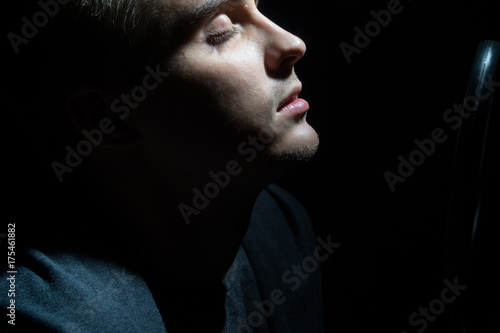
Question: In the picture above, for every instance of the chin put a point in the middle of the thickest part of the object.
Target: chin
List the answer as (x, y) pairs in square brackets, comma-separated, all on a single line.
[(299, 144)]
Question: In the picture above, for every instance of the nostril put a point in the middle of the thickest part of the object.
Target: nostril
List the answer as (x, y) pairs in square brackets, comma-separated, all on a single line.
[(281, 66)]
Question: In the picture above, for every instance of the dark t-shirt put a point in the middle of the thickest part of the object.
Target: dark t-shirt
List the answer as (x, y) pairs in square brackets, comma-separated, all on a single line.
[(267, 289)]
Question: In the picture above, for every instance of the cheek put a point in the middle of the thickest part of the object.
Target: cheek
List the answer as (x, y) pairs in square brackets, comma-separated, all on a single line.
[(242, 89), (237, 83)]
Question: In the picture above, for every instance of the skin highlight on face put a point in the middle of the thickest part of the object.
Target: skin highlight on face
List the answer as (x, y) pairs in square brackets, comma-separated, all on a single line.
[(238, 67)]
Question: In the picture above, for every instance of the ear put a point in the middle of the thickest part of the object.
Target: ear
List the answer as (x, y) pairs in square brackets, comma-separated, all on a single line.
[(91, 116)]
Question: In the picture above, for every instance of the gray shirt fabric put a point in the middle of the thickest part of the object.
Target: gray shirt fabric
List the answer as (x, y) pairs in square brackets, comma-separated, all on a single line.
[(72, 292)]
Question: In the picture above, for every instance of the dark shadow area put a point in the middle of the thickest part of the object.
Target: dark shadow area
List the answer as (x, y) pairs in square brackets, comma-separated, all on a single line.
[(373, 109), (369, 112)]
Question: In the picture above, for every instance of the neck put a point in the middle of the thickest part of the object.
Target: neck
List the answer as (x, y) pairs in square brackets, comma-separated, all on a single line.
[(189, 233)]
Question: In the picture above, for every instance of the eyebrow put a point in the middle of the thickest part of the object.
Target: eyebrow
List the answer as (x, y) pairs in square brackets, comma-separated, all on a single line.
[(200, 13), (207, 8)]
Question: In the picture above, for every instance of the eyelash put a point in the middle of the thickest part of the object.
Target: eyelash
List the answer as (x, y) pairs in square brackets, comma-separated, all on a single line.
[(219, 38)]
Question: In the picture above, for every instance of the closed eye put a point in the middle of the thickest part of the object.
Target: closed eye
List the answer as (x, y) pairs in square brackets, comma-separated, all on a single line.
[(220, 37)]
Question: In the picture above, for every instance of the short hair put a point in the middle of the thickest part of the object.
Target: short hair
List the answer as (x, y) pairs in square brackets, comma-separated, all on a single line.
[(126, 34), (103, 43), (124, 17)]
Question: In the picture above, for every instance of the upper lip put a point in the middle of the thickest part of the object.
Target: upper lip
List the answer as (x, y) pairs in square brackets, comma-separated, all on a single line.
[(291, 97)]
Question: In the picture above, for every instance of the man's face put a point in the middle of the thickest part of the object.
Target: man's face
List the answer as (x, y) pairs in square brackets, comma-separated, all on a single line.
[(232, 77)]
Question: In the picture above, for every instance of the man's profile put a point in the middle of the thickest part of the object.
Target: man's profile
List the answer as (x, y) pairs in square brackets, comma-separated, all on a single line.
[(155, 129)]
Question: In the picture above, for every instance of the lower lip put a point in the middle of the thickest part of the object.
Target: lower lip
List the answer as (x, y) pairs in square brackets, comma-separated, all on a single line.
[(297, 107)]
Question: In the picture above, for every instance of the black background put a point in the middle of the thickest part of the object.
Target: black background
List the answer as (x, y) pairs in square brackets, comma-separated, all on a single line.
[(367, 113), (392, 259)]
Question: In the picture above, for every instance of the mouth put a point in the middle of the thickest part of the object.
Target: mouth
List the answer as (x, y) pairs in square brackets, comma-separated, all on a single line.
[(293, 105)]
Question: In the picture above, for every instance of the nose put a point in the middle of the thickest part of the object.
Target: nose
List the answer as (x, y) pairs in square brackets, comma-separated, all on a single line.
[(282, 50)]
